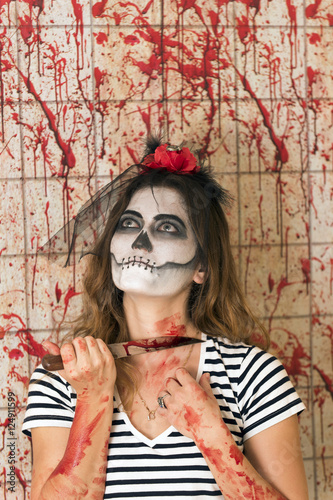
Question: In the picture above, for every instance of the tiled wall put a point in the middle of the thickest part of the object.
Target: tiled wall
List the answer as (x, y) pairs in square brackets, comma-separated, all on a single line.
[(251, 81)]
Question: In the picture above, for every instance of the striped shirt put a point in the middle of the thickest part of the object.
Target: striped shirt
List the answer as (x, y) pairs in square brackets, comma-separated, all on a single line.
[(253, 391)]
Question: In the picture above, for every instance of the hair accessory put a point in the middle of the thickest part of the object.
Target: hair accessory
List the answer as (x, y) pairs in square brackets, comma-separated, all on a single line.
[(173, 159)]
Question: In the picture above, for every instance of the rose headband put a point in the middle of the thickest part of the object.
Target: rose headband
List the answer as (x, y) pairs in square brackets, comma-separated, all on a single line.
[(173, 159)]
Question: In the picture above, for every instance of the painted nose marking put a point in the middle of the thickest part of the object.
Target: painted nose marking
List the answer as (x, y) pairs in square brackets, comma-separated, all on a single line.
[(143, 242)]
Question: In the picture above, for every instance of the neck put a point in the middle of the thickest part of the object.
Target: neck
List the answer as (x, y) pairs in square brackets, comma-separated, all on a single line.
[(149, 317)]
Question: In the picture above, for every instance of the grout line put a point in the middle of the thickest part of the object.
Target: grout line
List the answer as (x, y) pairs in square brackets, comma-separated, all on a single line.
[(170, 26), (224, 174), (94, 118), (239, 215), (243, 246), (245, 99), (313, 427), (24, 207)]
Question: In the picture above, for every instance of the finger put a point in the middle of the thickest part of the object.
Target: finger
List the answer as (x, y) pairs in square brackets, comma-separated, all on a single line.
[(183, 376), (51, 347), (204, 382), (100, 355), (93, 349), (104, 348), (68, 355), (81, 350), (171, 385)]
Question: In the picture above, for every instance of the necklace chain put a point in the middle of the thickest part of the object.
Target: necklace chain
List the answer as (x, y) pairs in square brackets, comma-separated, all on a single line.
[(151, 413)]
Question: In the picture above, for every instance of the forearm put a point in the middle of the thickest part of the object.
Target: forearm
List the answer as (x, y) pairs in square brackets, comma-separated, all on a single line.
[(233, 473), (82, 470)]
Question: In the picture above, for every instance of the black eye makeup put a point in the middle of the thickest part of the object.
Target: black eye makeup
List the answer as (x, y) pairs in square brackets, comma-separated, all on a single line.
[(129, 223), (171, 224), (167, 227), (130, 220)]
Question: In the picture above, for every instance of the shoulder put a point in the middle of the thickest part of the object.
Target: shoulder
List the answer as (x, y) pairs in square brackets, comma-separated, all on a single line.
[(45, 382), (248, 367), (230, 353), (51, 401), (246, 356)]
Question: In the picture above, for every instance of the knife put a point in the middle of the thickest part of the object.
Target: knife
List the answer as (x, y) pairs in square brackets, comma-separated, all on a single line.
[(53, 362)]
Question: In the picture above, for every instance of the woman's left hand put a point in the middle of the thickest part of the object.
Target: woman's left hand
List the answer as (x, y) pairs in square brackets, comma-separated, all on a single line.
[(190, 407)]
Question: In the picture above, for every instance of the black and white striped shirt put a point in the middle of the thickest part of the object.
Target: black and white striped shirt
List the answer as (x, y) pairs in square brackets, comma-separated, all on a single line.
[(251, 386)]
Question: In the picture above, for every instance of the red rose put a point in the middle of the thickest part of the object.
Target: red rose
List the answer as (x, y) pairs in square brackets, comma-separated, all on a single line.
[(179, 161)]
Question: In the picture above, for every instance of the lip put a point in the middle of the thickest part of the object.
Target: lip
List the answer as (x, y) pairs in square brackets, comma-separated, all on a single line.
[(138, 261)]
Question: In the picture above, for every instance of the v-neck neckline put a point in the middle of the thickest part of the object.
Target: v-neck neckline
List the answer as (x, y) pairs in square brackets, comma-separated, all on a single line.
[(141, 437)]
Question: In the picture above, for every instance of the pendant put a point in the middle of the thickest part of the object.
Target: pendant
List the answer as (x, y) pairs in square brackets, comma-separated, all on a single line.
[(151, 415)]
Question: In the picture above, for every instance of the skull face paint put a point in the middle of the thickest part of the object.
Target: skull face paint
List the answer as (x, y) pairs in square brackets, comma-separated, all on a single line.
[(153, 250)]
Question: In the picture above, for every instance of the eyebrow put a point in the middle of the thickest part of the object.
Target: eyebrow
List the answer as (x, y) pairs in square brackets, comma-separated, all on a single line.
[(133, 212)]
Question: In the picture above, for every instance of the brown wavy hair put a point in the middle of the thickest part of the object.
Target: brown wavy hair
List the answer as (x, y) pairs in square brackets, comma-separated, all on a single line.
[(216, 307)]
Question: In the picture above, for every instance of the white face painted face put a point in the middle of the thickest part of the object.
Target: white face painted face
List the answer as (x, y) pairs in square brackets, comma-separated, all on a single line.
[(153, 250)]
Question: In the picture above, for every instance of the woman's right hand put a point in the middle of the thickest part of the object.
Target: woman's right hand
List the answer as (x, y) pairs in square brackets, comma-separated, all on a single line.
[(88, 366)]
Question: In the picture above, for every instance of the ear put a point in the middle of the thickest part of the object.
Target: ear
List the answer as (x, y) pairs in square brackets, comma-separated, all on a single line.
[(199, 276)]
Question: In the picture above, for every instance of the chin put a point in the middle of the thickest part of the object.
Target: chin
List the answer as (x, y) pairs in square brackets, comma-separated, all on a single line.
[(167, 284)]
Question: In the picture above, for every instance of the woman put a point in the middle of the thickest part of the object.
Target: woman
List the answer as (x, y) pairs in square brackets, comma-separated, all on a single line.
[(212, 419)]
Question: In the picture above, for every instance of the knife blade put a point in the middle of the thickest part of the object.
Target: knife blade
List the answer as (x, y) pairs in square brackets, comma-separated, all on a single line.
[(53, 362)]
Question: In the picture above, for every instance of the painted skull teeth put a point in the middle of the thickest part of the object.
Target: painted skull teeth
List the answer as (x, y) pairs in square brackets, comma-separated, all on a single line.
[(137, 261)]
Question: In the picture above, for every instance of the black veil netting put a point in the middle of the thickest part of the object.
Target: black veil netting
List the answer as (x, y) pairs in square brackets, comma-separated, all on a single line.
[(77, 238)]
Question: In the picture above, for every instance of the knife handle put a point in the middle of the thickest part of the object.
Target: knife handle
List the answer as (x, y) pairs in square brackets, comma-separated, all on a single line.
[(52, 362)]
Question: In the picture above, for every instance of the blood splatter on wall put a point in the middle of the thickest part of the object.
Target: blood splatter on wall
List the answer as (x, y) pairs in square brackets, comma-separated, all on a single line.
[(251, 82)]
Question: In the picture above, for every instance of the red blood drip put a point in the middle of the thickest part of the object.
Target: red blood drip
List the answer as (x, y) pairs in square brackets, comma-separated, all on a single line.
[(20, 378), (260, 215), (5, 423), (282, 153), (271, 282), (167, 326), (283, 284), (236, 454), (291, 12), (47, 218), (314, 38), (192, 417), (79, 440), (4, 330), (101, 38), (71, 293), (14, 353), (20, 478), (306, 267), (30, 345), (99, 77), (58, 292), (131, 40), (326, 379), (153, 343), (244, 30), (213, 455), (68, 159), (133, 154), (312, 9), (98, 8)]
